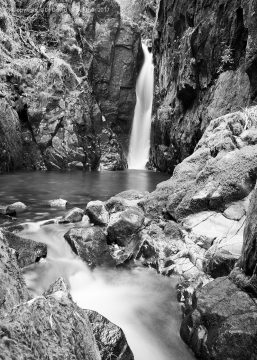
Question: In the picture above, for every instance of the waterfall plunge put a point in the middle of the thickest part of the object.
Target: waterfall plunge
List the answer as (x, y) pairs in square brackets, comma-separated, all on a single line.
[(140, 137)]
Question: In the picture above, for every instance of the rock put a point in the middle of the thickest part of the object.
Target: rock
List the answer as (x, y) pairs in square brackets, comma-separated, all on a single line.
[(222, 323), (4, 210), (110, 339), (90, 244), (234, 212), (16, 207), (13, 290), (58, 329), (218, 262), (73, 216), (112, 155), (77, 165), (97, 213), (28, 251), (199, 77), (58, 203), (249, 251), (173, 230), (124, 226), (132, 194)]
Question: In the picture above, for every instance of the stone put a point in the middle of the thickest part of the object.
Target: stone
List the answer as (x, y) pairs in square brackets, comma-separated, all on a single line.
[(13, 290), (58, 329), (16, 207), (249, 251), (90, 244), (222, 323), (27, 251), (124, 226), (110, 339), (58, 203), (235, 212), (218, 262), (97, 213), (73, 216)]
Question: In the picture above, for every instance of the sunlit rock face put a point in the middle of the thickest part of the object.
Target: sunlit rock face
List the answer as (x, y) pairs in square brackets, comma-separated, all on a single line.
[(66, 78), (205, 55)]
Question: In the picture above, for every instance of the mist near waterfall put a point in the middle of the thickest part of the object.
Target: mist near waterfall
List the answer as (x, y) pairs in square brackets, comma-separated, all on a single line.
[(140, 136)]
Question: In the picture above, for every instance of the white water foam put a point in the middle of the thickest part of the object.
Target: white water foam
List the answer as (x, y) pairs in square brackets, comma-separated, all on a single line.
[(140, 136)]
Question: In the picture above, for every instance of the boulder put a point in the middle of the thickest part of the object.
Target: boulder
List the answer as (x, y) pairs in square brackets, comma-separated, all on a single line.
[(124, 226), (16, 207), (27, 251), (249, 251), (58, 203), (218, 262), (222, 323), (90, 244), (97, 213), (73, 216), (110, 339), (13, 290), (49, 326)]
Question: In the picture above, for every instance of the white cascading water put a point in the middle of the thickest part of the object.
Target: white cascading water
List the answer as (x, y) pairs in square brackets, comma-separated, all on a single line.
[(140, 136), (141, 302)]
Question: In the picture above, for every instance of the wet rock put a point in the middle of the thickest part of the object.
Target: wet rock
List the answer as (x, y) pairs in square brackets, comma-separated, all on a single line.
[(4, 210), (97, 213), (124, 226), (73, 216), (76, 165), (27, 251), (58, 203), (112, 155), (13, 290), (222, 324), (218, 262), (16, 207), (110, 339), (48, 326), (249, 251), (90, 244)]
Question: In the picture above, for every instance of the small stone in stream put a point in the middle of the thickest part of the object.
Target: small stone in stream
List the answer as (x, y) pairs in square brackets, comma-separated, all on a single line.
[(90, 244), (72, 216), (124, 226), (110, 338), (97, 213), (58, 203), (17, 207), (28, 251)]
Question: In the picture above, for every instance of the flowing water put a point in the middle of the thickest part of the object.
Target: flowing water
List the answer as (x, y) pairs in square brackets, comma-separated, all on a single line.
[(140, 136), (140, 301)]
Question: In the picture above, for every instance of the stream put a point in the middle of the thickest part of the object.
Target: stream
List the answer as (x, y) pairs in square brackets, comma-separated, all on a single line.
[(138, 300)]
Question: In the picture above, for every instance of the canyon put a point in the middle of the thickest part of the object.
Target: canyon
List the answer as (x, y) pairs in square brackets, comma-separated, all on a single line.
[(68, 96)]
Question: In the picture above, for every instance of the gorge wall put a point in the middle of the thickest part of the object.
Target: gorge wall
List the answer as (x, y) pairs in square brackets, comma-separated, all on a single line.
[(205, 58), (67, 84)]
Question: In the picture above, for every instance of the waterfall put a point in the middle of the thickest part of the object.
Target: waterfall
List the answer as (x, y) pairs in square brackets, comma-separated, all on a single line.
[(140, 136)]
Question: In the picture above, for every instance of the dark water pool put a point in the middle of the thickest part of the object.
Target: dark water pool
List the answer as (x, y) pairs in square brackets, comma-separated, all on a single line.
[(36, 188)]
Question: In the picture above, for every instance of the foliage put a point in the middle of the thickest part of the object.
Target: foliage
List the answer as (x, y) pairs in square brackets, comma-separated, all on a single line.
[(249, 116), (227, 60)]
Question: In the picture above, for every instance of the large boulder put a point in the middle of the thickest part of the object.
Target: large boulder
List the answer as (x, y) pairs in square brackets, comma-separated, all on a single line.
[(91, 245), (27, 251), (125, 226), (222, 323), (249, 251), (110, 339), (97, 213), (49, 326), (12, 285)]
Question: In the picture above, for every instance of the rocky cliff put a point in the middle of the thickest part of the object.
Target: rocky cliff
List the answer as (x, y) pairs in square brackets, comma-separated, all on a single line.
[(67, 84), (205, 57)]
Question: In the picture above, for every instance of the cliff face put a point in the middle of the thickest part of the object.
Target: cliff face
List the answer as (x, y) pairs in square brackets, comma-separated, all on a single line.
[(67, 69), (205, 57)]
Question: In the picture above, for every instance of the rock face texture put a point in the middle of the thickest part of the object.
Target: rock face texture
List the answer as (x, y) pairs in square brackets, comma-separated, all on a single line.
[(205, 56), (68, 74), (223, 323)]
